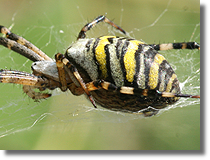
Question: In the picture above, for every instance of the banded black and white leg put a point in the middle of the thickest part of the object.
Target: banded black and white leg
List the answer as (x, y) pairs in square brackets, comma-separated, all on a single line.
[(102, 18), (169, 46)]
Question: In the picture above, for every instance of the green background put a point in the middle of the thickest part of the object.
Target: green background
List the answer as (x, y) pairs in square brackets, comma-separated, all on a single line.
[(67, 122)]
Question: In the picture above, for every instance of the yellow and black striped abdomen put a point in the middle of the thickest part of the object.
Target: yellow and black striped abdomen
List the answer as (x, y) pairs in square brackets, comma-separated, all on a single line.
[(124, 62)]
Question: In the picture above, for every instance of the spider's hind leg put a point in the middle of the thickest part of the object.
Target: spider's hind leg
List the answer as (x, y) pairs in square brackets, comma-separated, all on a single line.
[(97, 84), (169, 46)]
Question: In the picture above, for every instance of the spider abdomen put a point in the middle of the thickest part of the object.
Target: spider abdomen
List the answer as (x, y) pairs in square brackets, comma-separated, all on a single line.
[(124, 62)]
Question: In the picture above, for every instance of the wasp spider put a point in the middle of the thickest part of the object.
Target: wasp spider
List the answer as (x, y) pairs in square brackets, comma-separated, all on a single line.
[(117, 73)]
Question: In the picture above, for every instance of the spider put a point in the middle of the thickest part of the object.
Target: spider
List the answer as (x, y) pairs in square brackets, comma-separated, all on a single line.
[(117, 73)]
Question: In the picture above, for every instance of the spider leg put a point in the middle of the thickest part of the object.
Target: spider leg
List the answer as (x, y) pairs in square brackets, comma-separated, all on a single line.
[(34, 95), (19, 45), (102, 18), (61, 73), (73, 73), (182, 45), (97, 84), (20, 49), (52, 70), (29, 82), (75, 90)]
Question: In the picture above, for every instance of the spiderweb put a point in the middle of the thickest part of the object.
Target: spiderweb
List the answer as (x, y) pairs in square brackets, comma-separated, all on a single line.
[(18, 113)]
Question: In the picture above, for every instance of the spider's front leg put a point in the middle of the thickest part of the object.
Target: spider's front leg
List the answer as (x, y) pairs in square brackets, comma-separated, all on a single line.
[(29, 90), (77, 86), (29, 82)]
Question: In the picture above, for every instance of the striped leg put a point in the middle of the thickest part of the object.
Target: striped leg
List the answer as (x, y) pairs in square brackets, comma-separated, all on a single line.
[(82, 33), (75, 90), (73, 74), (94, 85), (61, 72), (183, 45), (21, 46), (29, 82)]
